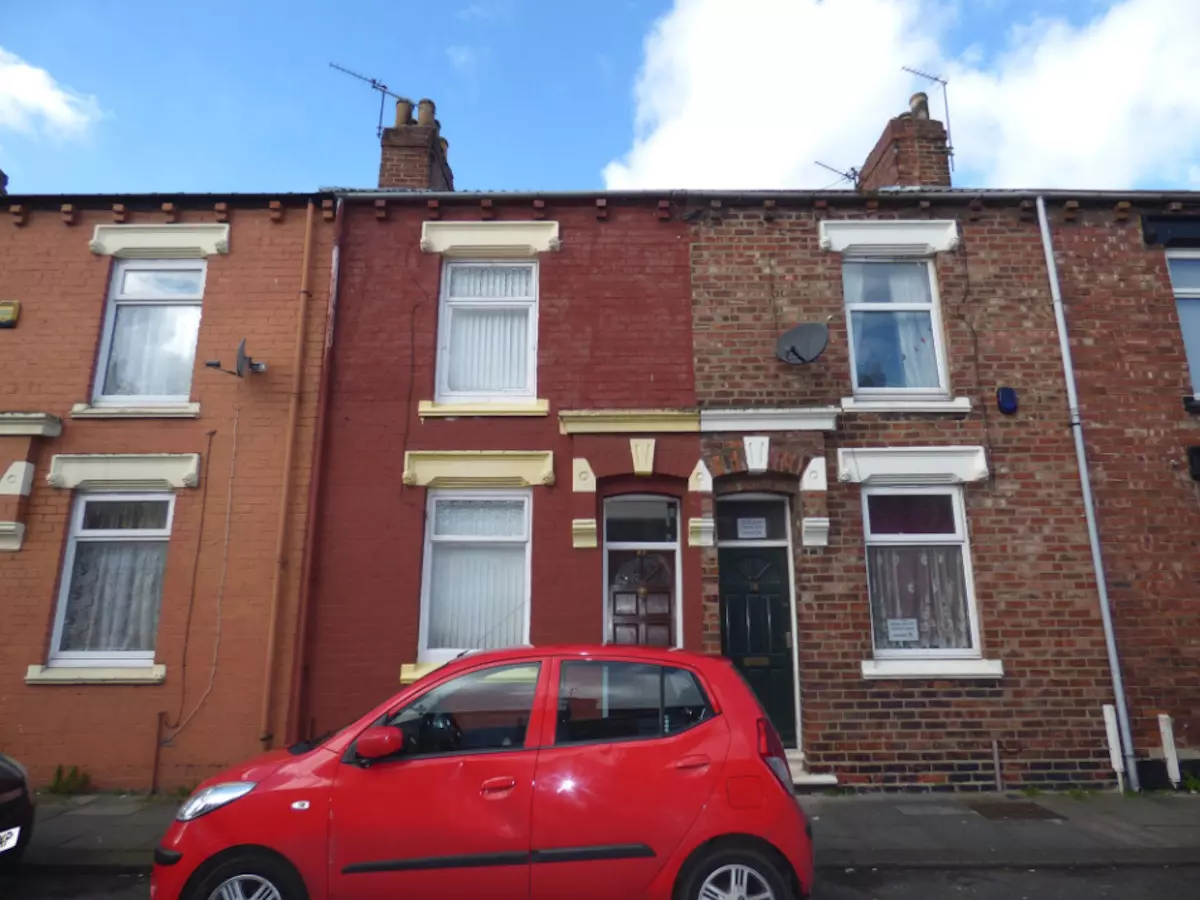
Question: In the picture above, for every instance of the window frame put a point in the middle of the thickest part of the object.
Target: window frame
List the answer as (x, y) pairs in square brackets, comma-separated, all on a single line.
[(607, 545), (424, 653), (942, 391), (554, 696), (446, 307), (1185, 294), (116, 299), (960, 538), (77, 534), (531, 741)]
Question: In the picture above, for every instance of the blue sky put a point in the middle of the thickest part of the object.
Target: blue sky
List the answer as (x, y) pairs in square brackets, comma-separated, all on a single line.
[(564, 94)]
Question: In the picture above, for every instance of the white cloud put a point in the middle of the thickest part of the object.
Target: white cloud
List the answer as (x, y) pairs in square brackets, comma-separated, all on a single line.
[(751, 94), (33, 103), (488, 11), (465, 58)]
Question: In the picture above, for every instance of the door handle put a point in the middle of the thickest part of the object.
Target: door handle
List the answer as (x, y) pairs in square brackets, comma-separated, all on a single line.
[(495, 785), (697, 761)]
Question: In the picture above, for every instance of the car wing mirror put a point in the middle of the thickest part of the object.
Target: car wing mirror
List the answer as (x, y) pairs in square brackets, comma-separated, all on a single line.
[(378, 742)]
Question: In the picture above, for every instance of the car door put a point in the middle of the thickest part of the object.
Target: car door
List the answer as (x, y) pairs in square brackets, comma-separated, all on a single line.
[(449, 814), (631, 753)]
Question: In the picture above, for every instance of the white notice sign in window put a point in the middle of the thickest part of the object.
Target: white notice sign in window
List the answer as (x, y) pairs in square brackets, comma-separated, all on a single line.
[(902, 630), (752, 529)]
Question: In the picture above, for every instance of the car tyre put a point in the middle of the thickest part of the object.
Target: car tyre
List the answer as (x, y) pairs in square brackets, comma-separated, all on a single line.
[(735, 873), (248, 873)]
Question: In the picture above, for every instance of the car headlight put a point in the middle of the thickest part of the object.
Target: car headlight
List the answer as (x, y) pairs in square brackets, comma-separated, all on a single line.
[(213, 798)]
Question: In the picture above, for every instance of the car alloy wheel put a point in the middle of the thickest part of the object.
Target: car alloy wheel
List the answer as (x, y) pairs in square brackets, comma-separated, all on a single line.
[(245, 887), (736, 882)]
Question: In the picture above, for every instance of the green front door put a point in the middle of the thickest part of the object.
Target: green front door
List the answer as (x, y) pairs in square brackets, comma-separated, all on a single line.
[(756, 628)]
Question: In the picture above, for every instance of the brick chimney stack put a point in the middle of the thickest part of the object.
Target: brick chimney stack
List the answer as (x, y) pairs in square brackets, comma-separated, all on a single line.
[(413, 153), (3, 183), (912, 151)]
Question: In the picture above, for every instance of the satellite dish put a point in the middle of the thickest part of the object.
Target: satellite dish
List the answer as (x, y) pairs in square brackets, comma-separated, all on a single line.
[(242, 363), (803, 343)]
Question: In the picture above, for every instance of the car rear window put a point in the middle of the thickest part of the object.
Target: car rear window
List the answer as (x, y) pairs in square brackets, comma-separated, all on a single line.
[(614, 701)]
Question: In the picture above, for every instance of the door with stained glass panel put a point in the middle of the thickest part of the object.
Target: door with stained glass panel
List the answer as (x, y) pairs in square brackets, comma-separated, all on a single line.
[(641, 538)]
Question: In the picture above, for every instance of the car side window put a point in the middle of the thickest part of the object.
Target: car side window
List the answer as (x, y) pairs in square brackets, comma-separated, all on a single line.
[(613, 701), (483, 710)]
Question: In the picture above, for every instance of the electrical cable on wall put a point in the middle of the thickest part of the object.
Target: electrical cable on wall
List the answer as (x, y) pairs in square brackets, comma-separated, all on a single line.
[(212, 678), (187, 626)]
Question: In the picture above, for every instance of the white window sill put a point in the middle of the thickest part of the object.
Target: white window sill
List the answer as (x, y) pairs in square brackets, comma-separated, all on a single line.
[(955, 406), (152, 674), (177, 411), (428, 409), (931, 669)]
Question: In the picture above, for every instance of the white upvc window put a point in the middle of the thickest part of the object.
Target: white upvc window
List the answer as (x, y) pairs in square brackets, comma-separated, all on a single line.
[(112, 580), (487, 332), (895, 328), (148, 347), (1184, 266), (475, 585), (919, 576)]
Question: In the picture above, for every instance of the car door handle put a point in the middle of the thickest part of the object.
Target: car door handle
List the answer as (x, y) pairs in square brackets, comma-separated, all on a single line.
[(697, 761), (496, 785)]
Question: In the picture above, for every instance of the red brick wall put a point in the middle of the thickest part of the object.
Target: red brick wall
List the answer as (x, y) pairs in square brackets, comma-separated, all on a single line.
[(909, 152), (614, 331), (1032, 573), (1132, 373), (109, 731)]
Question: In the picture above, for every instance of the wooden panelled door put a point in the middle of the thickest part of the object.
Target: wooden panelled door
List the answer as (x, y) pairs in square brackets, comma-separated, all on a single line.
[(756, 628), (641, 597)]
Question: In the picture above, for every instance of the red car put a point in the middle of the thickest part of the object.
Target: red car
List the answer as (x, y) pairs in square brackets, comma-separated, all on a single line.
[(577, 772)]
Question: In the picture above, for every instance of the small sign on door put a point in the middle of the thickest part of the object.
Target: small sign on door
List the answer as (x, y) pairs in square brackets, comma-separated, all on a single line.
[(752, 529), (902, 631)]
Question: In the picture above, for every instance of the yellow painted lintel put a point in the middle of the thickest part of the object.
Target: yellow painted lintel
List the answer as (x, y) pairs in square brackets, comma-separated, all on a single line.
[(627, 421)]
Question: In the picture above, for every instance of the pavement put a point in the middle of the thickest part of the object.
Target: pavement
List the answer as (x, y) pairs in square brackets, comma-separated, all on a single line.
[(114, 833)]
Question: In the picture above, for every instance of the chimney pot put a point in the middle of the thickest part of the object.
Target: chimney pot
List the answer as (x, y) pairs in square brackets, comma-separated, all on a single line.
[(445, 146), (918, 105), (425, 111), (403, 113)]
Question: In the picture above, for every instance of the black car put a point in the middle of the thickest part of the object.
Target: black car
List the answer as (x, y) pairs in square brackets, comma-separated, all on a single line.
[(16, 811)]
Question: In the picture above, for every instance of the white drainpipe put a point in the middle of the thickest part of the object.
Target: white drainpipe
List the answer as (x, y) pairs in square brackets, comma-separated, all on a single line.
[(1089, 507)]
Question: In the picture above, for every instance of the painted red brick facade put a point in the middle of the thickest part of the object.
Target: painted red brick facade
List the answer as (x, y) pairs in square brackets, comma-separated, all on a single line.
[(111, 732), (614, 331)]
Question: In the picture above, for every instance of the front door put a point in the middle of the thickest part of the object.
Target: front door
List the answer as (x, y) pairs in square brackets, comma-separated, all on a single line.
[(640, 597), (756, 628)]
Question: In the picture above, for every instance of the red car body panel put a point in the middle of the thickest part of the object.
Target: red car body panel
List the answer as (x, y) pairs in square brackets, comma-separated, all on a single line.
[(616, 818)]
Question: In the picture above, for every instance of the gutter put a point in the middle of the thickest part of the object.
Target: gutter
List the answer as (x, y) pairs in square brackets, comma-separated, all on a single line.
[(752, 196), (1089, 506)]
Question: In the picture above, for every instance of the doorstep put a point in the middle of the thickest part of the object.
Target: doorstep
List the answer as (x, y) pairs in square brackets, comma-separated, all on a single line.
[(801, 777)]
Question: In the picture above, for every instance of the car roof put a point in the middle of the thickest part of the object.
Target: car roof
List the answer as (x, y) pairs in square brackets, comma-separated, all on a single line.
[(665, 656)]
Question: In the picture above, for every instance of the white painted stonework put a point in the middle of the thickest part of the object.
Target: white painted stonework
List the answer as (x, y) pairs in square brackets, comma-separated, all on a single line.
[(758, 452), (29, 424), (193, 240), (18, 480), (954, 406), (888, 237), (912, 465), (799, 418), (700, 481), (125, 471), (702, 532), (642, 451), (583, 479), (814, 531), (482, 240), (814, 478), (12, 535)]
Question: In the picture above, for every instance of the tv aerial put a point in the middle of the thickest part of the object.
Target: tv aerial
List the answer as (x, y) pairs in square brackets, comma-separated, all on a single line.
[(377, 85), (242, 364), (802, 343), (945, 105), (850, 175)]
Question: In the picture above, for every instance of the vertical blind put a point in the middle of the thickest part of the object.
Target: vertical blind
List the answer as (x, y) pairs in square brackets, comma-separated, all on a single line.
[(478, 589), (489, 309)]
